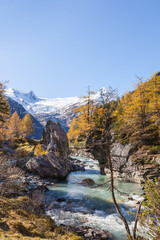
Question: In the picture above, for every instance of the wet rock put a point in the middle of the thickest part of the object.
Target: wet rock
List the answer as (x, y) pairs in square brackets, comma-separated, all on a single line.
[(61, 199), (77, 161), (130, 198), (87, 181), (75, 167)]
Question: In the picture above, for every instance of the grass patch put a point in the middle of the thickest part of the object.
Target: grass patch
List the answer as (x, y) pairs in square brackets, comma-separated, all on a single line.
[(17, 222), (77, 145), (155, 149)]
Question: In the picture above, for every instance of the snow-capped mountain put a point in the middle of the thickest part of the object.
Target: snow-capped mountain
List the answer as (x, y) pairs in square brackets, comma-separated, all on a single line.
[(56, 109), (25, 99)]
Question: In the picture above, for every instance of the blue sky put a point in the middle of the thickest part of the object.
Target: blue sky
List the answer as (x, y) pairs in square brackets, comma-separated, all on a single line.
[(59, 47)]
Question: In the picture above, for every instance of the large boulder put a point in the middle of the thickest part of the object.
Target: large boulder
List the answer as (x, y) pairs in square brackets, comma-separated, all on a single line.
[(56, 163), (87, 181), (55, 138), (49, 165)]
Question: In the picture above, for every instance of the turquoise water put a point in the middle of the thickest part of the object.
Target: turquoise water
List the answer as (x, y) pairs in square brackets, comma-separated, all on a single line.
[(92, 206)]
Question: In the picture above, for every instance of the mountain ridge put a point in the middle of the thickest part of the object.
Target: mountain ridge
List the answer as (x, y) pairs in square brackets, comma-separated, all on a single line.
[(55, 109)]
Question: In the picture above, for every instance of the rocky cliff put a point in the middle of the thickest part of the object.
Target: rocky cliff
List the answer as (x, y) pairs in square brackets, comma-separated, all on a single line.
[(130, 163)]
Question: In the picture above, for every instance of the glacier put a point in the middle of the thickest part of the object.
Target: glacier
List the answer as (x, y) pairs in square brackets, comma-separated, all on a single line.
[(56, 109)]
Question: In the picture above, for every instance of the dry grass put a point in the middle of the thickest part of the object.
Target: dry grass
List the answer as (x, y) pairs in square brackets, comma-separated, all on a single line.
[(23, 217), (17, 222)]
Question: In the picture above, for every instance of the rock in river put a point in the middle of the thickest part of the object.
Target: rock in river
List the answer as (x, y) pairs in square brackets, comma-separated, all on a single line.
[(56, 163), (49, 165), (87, 181)]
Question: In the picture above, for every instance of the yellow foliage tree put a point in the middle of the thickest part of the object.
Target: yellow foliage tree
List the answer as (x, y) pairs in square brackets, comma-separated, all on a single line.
[(27, 126), (138, 113), (4, 129), (14, 127), (81, 124), (39, 150)]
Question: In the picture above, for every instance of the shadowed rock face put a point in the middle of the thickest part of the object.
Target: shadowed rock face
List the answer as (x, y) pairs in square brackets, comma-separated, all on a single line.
[(49, 165), (97, 146), (55, 138), (56, 163), (120, 155)]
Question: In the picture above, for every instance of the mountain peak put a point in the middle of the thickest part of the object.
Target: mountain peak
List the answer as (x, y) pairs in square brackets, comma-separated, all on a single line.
[(17, 95), (32, 95)]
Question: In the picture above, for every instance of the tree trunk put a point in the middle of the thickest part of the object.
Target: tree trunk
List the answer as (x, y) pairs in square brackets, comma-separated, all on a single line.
[(113, 195)]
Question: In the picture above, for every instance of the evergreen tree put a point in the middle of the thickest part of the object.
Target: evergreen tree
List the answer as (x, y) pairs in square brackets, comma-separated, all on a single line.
[(4, 107), (4, 112)]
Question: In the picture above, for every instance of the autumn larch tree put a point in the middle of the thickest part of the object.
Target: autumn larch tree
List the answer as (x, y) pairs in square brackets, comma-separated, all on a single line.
[(27, 126), (82, 123), (138, 114), (14, 130)]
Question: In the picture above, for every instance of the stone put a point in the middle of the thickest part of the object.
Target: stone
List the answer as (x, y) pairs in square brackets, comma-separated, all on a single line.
[(120, 155), (88, 233), (55, 138), (87, 181), (61, 199), (130, 198), (82, 152), (49, 165), (56, 163), (75, 167), (158, 160), (69, 201)]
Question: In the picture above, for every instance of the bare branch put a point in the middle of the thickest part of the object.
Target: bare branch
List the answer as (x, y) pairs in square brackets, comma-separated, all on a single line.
[(98, 185), (136, 219)]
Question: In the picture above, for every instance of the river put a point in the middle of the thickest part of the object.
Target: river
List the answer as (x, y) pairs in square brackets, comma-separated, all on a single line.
[(75, 204)]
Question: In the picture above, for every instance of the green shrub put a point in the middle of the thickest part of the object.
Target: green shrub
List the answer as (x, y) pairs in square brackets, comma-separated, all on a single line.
[(154, 149)]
